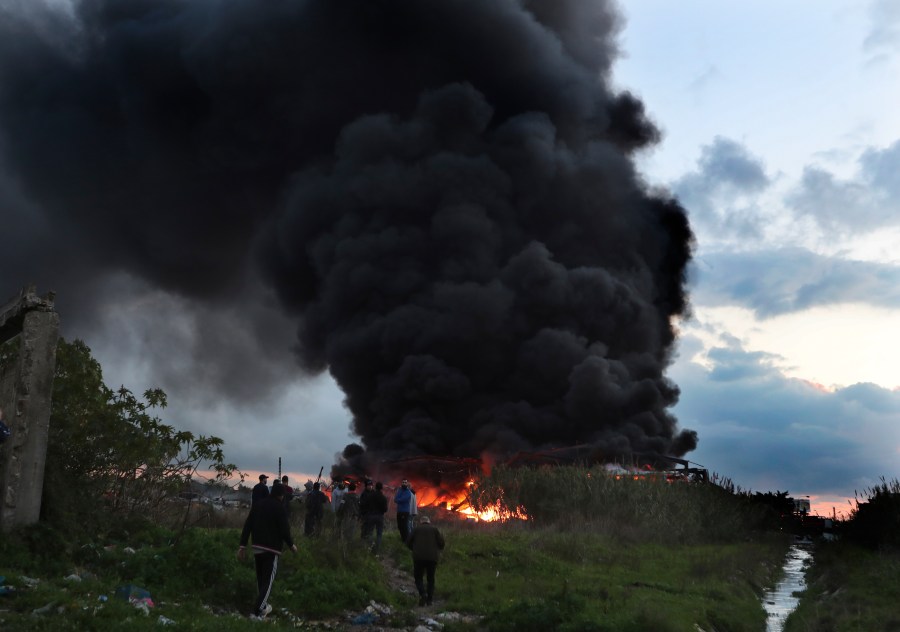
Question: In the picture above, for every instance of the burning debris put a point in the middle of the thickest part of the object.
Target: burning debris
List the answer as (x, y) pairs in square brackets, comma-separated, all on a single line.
[(461, 486), (442, 194)]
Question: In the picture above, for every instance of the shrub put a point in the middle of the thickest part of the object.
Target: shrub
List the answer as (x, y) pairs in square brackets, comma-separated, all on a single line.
[(875, 523)]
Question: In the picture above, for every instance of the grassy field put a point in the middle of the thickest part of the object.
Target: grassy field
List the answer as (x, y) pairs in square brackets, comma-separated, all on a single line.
[(850, 589), (671, 568)]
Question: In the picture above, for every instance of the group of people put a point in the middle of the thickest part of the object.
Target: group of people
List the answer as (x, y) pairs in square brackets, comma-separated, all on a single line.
[(268, 527)]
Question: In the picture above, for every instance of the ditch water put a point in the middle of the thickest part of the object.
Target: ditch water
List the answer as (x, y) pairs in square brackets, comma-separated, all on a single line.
[(781, 601)]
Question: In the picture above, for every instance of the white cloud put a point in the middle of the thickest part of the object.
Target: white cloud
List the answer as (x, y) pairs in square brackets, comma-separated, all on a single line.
[(767, 431), (867, 202)]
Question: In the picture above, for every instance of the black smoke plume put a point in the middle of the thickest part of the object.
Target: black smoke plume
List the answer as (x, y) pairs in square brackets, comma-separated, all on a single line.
[(441, 193)]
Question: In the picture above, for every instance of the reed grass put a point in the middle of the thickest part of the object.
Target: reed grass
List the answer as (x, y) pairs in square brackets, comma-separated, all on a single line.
[(630, 508)]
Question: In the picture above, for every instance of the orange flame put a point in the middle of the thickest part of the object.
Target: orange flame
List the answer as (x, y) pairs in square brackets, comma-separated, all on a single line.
[(457, 502)]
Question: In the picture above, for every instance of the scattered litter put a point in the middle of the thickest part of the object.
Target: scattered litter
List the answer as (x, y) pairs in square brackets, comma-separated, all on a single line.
[(457, 617), (103, 598), (449, 616), (432, 624), (28, 581), (165, 621), (379, 608), (129, 550), (366, 618), (136, 596), (73, 578), (44, 609)]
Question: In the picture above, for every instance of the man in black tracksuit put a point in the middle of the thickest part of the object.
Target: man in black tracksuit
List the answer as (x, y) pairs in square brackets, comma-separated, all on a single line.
[(268, 525)]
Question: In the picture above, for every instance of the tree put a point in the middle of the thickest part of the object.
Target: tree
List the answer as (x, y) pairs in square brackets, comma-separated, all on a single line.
[(108, 449)]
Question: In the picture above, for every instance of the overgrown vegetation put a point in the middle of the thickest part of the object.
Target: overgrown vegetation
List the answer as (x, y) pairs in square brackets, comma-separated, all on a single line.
[(108, 451), (514, 576), (597, 553), (631, 509), (854, 582)]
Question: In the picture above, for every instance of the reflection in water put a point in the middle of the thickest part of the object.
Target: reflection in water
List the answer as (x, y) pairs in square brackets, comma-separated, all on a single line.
[(780, 601)]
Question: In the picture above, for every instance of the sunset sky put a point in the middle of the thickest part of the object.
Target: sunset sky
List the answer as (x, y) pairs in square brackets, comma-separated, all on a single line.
[(780, 136)]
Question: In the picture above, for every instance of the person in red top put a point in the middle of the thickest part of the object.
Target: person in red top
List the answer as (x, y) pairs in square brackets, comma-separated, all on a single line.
[(288, 495), (267, 525)]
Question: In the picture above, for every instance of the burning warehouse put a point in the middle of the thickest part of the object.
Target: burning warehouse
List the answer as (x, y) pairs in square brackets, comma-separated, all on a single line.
[(443, 195)]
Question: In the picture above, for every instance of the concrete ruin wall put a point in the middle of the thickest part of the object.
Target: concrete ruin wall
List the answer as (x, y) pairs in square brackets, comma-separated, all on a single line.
[(29, 328)]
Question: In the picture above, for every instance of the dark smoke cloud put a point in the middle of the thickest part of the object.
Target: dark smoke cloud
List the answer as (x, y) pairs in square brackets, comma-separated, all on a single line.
[(440, 193)]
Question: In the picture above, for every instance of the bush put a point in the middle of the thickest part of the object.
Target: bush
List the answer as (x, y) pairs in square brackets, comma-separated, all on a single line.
[(875, 523)]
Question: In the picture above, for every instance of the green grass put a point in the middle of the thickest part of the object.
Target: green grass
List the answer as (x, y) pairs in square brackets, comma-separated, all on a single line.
[(546, 579), (850, 589), (635, 556)]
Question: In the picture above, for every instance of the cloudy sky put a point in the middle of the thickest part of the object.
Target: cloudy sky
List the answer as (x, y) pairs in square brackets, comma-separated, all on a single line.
[(780, 135), (782, 139)]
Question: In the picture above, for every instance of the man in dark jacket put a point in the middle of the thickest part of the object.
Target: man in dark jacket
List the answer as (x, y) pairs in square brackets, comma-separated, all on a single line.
[(260, 490), (267, 525), (372, 507), (348, 513), (315, 509), (426, 542)]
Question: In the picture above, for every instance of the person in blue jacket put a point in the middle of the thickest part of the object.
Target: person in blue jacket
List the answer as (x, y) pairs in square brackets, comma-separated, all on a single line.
[(403, 500)]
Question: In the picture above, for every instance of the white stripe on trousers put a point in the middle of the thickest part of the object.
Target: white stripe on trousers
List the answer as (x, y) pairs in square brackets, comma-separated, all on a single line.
[(262, 606)]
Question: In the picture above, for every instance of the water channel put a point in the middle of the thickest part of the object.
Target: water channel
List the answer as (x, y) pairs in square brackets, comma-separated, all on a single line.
[(781, 600)]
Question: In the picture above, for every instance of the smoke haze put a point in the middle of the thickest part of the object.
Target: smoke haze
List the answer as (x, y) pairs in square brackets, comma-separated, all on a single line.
[(439, 196)]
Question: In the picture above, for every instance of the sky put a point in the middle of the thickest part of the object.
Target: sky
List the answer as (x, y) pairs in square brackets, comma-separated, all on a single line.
[(780, 137)]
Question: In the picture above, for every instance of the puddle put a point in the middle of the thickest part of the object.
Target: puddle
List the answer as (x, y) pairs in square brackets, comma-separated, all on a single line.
[(780, 601)]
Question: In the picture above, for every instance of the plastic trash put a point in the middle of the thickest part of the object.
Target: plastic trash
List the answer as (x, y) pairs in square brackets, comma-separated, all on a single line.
[(130, 592), (366, 618), (30, 582), (44, 609)]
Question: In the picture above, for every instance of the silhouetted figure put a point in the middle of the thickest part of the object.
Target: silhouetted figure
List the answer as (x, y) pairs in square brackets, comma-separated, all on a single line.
[(315, 509), (267, 526), (426, 543)]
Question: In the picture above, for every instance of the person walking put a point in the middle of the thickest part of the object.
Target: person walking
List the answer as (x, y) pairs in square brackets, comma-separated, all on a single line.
[(337, 495), (372, 507), (403, 500), (268, 528), (315, 509), (426, 543), (288, 495), (348, 513), (260, 490)]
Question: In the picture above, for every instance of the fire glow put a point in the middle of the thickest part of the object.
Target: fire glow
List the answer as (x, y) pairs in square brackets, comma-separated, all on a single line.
[(459, 503)]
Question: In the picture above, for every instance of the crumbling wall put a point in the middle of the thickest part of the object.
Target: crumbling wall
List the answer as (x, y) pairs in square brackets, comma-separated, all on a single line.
[(29, 328)]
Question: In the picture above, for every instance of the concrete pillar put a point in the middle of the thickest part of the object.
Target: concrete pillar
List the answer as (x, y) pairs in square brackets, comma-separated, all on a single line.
[(29, 329)]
